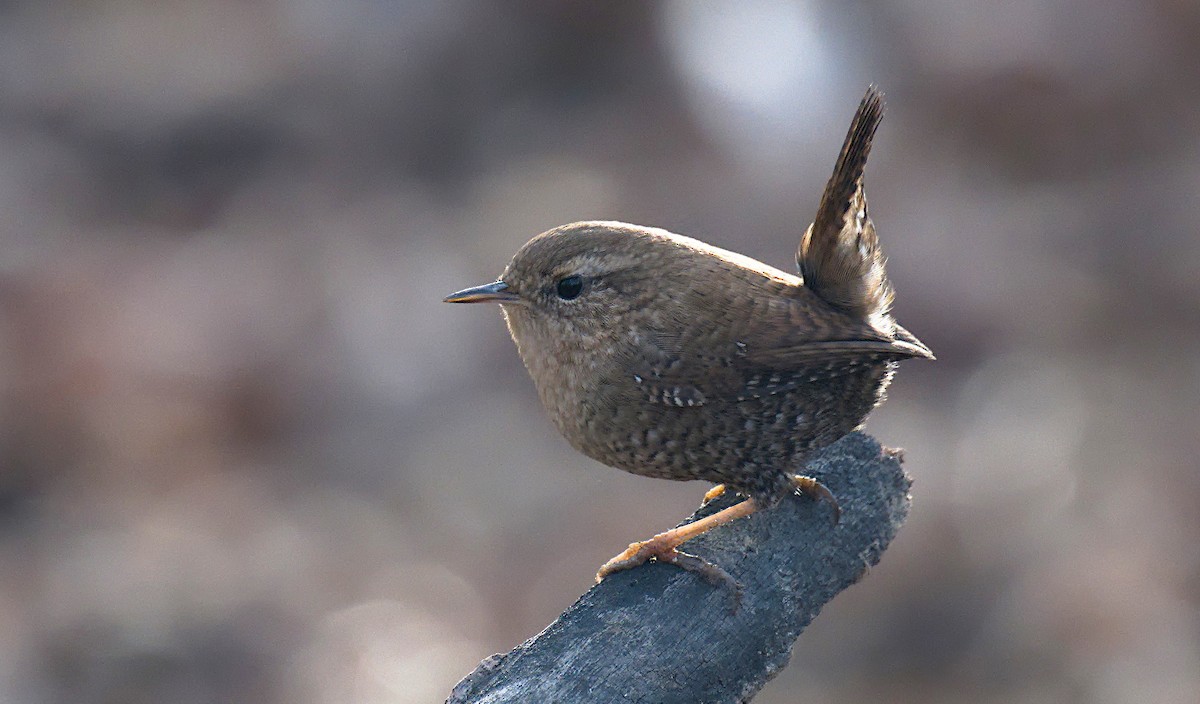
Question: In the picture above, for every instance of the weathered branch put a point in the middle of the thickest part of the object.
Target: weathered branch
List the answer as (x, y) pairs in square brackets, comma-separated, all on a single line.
[(658, 634)]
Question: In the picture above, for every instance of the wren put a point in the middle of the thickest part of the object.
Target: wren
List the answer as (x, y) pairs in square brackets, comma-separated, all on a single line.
[(666, 357)]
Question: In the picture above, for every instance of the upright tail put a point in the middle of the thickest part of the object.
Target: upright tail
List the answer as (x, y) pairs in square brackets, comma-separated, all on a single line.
[(839, 256)]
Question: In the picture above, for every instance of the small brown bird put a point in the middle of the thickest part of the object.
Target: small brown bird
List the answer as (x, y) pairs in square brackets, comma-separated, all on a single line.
[(667, 357)]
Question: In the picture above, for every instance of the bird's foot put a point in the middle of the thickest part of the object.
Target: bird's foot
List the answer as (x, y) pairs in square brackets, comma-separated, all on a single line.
[(817, 491), (714, 493), (664, 548)]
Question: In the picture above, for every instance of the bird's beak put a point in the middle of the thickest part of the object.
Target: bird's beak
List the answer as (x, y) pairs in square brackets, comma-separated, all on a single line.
[(497, 291)]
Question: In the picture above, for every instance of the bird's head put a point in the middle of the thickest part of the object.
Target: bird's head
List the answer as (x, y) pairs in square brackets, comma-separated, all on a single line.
[(584, 283)]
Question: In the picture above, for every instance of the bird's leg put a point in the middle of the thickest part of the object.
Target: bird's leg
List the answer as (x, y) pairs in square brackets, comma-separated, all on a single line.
[(662, 547), (817, 491)]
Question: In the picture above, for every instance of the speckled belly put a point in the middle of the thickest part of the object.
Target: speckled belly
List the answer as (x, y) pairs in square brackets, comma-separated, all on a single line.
[(751, 444)]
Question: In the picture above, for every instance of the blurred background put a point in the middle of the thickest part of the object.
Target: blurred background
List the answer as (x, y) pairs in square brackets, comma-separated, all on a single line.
[(246, 455)]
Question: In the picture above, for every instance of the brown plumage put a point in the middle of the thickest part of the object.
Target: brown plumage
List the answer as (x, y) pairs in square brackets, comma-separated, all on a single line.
[(666, 357), (839, 256)]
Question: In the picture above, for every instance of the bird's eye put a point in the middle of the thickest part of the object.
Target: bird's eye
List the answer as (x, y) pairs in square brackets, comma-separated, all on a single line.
[(569, 288)]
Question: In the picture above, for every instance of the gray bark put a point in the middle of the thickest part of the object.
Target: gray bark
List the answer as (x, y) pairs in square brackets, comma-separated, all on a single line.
[(660, 635)]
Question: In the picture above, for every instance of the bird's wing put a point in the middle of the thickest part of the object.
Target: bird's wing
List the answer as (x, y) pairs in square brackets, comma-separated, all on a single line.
[(797, 329), (680, 370), (837, 352)]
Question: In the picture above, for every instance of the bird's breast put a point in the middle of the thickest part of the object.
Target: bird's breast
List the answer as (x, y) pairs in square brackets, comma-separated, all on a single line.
[(693, 411), (672, 429)]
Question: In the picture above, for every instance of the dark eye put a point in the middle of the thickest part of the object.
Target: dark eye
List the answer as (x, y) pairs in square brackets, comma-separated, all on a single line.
[(569, 288)]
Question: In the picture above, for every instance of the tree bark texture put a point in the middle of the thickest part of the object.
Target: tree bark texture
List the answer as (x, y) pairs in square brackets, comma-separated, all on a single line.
[(660, 635)]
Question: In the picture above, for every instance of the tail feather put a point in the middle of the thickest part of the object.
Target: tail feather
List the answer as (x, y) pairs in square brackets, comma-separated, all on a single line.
[(839, 256)]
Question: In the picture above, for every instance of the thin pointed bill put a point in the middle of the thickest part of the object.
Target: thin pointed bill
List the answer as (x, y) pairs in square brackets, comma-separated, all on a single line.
[(496, 291)]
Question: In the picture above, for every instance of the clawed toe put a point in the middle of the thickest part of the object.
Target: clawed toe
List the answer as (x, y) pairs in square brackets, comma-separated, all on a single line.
[(663, 548), (637, 554), (714, 493), (710, 572), (818, 492), (664, 551)]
